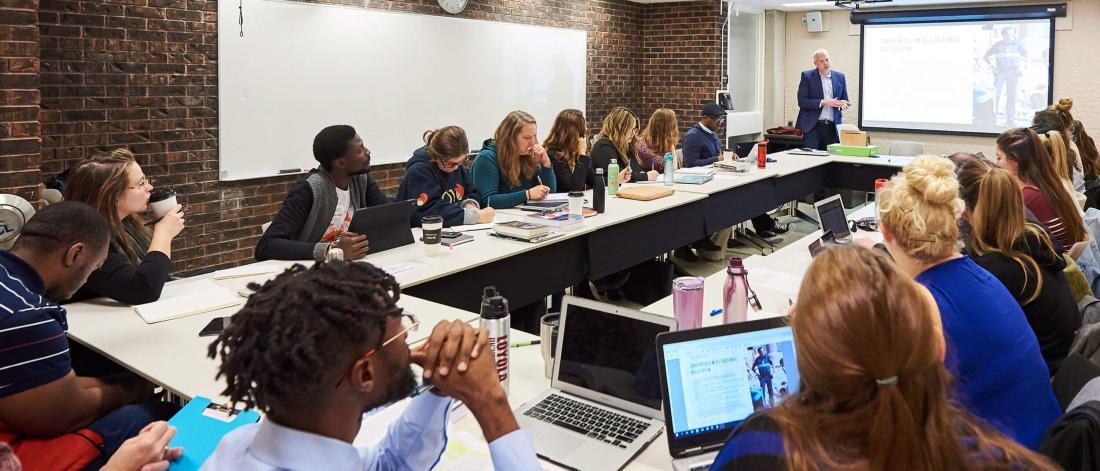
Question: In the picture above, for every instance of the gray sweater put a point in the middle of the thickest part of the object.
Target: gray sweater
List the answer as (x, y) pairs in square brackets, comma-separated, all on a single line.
[(296, 232)]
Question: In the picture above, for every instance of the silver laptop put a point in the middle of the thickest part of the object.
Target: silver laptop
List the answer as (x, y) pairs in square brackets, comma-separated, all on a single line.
[(604, 401), (830, 214), (713, 378)]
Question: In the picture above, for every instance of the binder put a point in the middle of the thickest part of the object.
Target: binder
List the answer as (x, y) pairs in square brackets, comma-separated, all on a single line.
[(200, 425)]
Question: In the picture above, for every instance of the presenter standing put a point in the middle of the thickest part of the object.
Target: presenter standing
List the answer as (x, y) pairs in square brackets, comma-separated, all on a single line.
[(822, 95)]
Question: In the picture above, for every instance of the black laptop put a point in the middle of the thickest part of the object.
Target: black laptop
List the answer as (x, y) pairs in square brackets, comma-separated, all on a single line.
[(386, 226)]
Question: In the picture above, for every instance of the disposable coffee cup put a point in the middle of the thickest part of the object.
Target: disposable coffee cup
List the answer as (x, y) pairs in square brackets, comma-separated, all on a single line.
[(162, 200), (548, 336), (433, 231)]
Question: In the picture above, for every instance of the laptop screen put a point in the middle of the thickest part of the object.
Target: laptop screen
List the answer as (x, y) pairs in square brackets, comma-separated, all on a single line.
[(831, 214), (611, 354), (715, 383)]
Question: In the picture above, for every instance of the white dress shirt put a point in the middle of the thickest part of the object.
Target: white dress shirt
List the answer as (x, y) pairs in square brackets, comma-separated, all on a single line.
[(414, 442)]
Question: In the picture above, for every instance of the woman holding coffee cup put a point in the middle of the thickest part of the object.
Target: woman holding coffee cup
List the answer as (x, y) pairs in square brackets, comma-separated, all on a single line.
[(139, 259)]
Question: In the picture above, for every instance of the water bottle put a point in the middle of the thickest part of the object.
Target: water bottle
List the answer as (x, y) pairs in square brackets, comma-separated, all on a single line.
[(495, 319), (599, 192), (612, 178), (735, 293), (669, 171)]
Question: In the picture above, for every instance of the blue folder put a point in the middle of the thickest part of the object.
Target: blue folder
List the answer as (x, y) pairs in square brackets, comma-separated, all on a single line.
[(199, 434)]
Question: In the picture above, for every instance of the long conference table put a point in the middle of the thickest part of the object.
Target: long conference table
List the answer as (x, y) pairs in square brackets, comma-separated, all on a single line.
[(172, 355)]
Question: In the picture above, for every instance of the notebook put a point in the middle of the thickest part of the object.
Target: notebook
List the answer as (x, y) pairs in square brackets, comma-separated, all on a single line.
[(200, 425), (187, 299)]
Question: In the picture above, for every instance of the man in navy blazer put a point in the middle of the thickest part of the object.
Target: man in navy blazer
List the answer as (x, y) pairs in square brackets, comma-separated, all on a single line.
[(822, 95)]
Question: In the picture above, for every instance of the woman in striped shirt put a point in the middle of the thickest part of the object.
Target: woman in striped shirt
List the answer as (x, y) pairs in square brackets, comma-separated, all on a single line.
[(1023, 154), (874, 390)]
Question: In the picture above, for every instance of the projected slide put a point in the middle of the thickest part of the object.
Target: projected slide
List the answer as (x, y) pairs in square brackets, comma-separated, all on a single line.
[(974, 77)]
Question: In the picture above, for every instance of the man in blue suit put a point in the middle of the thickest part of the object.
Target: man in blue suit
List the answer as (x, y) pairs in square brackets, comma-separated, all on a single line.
[(822, 95)]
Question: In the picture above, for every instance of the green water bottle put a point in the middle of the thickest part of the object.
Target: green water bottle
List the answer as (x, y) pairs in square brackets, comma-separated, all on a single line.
[(612, 178)]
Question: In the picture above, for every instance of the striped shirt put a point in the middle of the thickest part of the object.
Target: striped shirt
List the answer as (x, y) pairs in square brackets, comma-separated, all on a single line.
[(1039, 205), (33, 347)]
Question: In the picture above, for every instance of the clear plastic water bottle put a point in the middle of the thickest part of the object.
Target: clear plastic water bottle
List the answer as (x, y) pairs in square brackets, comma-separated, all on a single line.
[(670, 176)]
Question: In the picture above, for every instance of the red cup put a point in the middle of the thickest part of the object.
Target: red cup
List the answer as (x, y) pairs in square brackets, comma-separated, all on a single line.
[(880, 184), (762, 154)]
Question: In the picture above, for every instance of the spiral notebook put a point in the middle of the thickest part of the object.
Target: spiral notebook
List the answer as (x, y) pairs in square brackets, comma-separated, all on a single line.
[(187, 299)]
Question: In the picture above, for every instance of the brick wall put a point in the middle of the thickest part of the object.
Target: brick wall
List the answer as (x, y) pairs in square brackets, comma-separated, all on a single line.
[(143, 74), (20, 141), (682, 50)]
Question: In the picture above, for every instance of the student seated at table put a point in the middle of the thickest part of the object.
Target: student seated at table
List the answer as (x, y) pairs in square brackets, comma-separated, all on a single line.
[(991, 350), (660, 136), (1021, 152), (512, 168), (318, 209), (1020, 255), (53, 418), (874, 393), (615, 143), (314, 355), (702, 148), (437, 179), (567, 148), (138, 260)]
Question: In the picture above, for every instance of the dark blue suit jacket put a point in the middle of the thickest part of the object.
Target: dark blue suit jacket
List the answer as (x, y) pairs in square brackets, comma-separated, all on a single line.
[(810, 95)]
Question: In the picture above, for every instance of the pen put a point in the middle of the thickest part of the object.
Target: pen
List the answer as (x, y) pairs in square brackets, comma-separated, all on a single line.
[(790, 302), (423, 388), (715, 312), (527, 343)]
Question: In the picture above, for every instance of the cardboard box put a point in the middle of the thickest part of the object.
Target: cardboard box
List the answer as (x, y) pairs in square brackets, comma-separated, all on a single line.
[(854, 138), (853, 151)]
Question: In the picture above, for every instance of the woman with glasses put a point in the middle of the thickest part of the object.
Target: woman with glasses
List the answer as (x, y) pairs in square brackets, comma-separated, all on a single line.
[(436, 177), (139, 259)]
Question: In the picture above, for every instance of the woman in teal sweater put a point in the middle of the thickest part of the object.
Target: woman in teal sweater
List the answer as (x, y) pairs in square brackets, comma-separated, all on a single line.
[(512, 168)]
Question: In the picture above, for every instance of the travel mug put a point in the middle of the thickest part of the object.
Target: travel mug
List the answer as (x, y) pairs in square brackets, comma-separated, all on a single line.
[(432, 227), (762, 154), (687, 302), (548, 335), (576, 203)]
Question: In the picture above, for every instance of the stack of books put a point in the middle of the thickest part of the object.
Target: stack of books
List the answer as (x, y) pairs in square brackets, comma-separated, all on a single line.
[(521, 230)]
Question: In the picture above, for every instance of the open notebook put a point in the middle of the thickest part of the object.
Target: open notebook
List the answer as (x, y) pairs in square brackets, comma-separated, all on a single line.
[(187, 299)]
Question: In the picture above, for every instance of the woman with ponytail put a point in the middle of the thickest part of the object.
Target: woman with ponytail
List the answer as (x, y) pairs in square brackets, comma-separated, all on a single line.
[(1019, 254), (1021, 152), (874, 394), (991, 350)]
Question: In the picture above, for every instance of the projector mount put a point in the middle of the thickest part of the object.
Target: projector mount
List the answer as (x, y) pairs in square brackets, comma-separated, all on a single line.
[(854, 4)]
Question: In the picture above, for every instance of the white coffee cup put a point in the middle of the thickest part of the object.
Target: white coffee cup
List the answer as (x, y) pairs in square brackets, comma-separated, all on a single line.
[(432, 227), (161, 201)]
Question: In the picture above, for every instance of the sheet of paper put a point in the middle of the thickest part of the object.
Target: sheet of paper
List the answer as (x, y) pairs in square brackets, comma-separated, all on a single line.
[(696, 170), (401, 267), (774, 280), (244, 271), (187, 299)]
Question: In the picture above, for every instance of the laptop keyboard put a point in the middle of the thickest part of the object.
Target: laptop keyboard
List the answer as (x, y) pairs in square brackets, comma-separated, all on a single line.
[(594, 422)]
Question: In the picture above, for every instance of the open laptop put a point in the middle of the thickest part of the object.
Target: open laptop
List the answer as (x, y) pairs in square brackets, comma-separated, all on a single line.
[(386, 226), (830, 214), (715, 377), (604, 401)]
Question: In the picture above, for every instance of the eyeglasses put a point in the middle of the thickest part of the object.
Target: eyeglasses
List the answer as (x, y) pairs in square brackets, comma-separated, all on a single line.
[(145, 181), (409, 323), (451, 165)]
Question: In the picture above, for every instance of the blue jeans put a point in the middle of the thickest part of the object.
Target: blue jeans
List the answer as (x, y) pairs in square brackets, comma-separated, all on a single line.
[(126, 422)]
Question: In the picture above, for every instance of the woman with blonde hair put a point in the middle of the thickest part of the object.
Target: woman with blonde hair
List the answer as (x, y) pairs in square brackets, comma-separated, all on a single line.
[(139, 260), (568, 149), (991, 349), (873, 393), (659, 137), (512, 167), (1021, 152), (1019, 254), (615, 143)]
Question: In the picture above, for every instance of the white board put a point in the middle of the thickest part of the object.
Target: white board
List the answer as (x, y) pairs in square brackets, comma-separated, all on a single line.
[(301, 67)]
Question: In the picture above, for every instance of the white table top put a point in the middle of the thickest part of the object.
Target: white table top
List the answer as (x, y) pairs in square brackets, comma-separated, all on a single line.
[(172, 354)]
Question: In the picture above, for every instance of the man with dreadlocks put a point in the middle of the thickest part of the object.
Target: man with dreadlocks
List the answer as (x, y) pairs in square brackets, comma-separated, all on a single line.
[(317, 347)]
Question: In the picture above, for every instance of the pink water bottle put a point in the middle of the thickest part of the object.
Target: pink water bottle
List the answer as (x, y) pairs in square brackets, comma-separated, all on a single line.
[(736, 293), (687, 302)]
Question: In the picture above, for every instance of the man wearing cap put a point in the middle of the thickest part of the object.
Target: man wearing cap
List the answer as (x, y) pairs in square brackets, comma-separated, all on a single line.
[(822, 95), (702, 147)]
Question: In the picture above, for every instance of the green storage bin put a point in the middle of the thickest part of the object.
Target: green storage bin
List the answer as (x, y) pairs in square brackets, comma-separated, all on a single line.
[(853, 151)]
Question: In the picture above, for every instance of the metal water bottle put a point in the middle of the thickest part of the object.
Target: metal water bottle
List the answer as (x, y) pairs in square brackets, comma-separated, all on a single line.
[(495, 319), (612, 178), (736, 293), (599, 192)]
